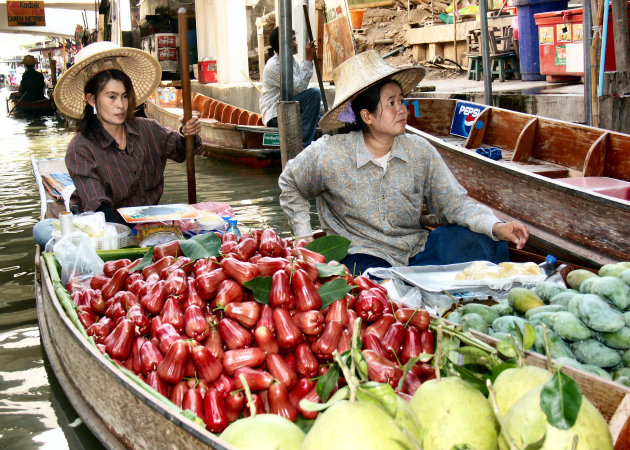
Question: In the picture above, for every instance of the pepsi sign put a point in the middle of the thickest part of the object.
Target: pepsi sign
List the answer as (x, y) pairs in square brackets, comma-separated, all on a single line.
[(464, 117)]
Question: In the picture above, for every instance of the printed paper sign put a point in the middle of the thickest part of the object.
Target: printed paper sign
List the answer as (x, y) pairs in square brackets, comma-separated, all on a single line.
[(26, 13), (464, 117), (338, 42), (561, 55), (563, 32), (545, 35), (578, 32)]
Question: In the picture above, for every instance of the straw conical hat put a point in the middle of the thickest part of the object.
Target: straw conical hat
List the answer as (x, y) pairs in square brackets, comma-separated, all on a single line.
[(143, 69), (359, 73), (29, 60)]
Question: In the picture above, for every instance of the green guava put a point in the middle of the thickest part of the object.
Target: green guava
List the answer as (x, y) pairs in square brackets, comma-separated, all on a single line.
[(360, 425), (512, 384), (527, 424), (263, 432), (452, 412)]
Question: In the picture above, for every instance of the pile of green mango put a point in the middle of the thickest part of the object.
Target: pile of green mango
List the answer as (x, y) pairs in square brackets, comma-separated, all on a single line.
[(588, 322)]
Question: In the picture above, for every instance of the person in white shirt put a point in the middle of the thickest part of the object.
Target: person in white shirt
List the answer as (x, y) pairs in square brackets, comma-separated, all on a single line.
[(309, 98)]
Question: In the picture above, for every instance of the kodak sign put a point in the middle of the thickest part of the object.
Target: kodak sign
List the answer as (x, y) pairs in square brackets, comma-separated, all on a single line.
[(26, 13)]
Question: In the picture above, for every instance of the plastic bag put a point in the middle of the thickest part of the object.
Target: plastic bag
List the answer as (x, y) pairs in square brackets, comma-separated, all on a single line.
[(77, 256)]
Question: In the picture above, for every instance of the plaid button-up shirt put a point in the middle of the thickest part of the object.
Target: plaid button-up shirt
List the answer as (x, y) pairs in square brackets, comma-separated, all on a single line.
[(378, 210), (102, 173)]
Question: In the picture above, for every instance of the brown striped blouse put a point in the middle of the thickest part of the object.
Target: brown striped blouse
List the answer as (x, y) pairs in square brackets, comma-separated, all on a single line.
[(102, 173)]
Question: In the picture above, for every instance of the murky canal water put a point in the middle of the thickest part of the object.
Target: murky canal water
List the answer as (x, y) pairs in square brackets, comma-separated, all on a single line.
[(34, 412)]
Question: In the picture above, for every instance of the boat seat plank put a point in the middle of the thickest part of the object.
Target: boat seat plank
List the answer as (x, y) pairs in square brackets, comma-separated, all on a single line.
[(525, 142), (478, 129), (596, 157)]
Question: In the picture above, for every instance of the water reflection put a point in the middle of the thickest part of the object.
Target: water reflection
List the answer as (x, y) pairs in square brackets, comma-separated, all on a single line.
[(34, 412)]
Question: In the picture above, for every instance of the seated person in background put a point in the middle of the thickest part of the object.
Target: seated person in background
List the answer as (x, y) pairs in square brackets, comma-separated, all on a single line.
[(309, 98), (33, 85), (370, 183), (117, 160)]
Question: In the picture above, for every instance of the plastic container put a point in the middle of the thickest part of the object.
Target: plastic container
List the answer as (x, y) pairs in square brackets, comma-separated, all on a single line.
[(207, 70), (233, 228), (356, 18), (528, 34), (557, 32), (119, 237), (549, 265)]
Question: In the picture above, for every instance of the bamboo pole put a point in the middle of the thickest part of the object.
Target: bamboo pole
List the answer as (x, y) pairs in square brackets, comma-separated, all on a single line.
[(318, 69), (187, 100)]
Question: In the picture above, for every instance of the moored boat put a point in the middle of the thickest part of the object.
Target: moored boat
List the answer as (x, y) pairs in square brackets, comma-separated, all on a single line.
[(227, 132), (569, 183), (39, 108)]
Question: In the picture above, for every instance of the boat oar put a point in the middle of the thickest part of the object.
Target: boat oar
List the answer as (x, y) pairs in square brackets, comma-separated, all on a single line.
[(16, 104), (315, 60), (187, 100)]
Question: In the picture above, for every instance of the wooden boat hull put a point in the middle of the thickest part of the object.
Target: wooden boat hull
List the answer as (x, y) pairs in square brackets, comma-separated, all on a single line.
[(574, 224), (40, 108), (239, 144)]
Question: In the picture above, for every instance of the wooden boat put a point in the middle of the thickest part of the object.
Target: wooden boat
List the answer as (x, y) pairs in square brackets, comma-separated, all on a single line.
[(119, 410), (569, 183), (228, 133), (18, 107), (128, 415)]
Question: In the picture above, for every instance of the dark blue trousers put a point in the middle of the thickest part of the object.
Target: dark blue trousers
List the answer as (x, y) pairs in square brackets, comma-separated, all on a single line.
[(448, 244)]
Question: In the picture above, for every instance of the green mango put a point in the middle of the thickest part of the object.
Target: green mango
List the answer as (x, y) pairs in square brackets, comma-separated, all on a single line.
[(545, 308), (625, 276), (619, 339), (576, 277), (503, 309), (543, 317), (474, 321), (585, 287), (613, 270), (547, 289), (557, 347), (598, 315), (563, 297), (613, 290), (594, 352), (569, 327), (455, 316), (521, 300), (488, 314), (508, 324)]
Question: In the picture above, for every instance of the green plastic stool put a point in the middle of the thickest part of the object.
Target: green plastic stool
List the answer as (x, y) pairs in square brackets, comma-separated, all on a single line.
[(474, 67), (504, 65)]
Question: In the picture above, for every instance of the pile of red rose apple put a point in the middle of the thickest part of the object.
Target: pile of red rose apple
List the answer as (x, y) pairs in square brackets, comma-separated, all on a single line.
[(191, 328)]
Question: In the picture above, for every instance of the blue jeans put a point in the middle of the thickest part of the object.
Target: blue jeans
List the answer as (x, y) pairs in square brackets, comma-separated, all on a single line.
[(309, 100), (42, 232), (448, 244)]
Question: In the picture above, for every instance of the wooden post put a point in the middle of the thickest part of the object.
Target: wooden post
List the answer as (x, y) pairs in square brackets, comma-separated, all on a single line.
[(614, 105), (261, 47), (318, 69), (596, 43), (621, 35), (65, 64), (53, 71), (290, 128), (455, 30), (184, 70)]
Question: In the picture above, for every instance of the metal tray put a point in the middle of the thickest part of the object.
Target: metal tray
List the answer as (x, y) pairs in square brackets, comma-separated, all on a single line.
[(436, 279)]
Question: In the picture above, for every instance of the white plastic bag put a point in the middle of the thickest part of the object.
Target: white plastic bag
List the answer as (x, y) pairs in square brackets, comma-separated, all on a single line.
[(77, 256)]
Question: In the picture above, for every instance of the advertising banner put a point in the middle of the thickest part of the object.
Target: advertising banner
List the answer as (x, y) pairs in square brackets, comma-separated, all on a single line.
[(338, 42), (26, 13)]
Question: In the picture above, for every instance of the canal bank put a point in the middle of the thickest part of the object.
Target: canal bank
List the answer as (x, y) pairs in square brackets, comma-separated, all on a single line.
[(563, 101)]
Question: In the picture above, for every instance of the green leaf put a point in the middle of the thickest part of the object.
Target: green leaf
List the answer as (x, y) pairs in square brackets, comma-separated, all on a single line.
[(381, 394), (327, 383), (341, 394), (506, 348), (560, 400), (260, 287), (146, 260), (201, 246), (333, 291), (406, 369), (529, 337), (334, 248), (326, 271), (304, 424), (477, 380)]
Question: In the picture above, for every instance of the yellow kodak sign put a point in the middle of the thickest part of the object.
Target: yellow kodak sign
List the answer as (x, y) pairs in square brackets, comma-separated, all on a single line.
[(26, 13)]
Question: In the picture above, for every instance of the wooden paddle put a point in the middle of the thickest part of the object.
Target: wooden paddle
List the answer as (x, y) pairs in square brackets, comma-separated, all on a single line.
[(16, 104), (315, 60), (187, 100)]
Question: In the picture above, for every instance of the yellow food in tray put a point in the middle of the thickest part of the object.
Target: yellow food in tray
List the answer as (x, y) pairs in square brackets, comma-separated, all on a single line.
[(481, 270)]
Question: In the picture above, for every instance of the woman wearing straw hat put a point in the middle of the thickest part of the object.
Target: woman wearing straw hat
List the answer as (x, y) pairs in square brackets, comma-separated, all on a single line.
[(117, 160), (33, 85), (370, 183)]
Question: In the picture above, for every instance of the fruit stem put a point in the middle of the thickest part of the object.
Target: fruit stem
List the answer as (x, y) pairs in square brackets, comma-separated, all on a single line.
[(497, 413), (248, 394), (547, 347), (437, 359), (351, 379), (356, 333)]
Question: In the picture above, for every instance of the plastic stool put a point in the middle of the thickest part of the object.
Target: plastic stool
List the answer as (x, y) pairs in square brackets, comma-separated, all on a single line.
[(474, 67), (505, 64)]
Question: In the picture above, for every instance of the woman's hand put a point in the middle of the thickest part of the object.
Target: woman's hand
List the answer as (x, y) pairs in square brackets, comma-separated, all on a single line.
[(514, 232), (190, 128)]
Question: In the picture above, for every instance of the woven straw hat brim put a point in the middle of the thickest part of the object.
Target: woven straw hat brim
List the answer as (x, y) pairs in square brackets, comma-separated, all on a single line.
[(361, 72), (143, 69)]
